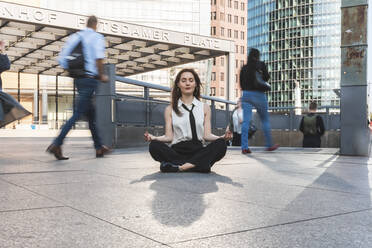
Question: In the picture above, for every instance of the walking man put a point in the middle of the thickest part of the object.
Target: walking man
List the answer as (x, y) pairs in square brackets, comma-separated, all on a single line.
[(93, 48)]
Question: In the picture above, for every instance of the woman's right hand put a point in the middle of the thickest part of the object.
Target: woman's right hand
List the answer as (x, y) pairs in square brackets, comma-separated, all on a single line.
[(148, 137)]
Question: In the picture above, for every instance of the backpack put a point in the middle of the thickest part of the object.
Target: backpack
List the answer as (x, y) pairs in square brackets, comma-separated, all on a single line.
[(4, 63), (76, 61), (310, 125)]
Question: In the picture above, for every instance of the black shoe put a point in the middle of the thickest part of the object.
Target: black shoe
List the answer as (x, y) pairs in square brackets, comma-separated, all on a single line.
[(168, 167), (102, 151), (56, 151)]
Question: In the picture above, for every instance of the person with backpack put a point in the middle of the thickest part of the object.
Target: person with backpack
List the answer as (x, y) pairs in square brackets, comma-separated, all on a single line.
[(312, 127), (83, 56)]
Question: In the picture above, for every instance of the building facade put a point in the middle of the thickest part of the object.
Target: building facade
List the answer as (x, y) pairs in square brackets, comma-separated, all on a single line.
[(228, 21), (57, 94), (191, 16), (300, 42)]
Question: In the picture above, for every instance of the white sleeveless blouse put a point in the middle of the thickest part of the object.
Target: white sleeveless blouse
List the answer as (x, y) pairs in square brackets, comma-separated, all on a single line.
[(181, 123)]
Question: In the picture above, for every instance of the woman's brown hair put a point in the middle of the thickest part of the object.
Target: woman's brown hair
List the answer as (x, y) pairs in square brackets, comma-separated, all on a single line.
[(176, 91)]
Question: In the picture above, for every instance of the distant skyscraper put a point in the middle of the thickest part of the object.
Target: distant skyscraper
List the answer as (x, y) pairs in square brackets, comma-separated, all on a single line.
[(228, 21), (300, 41)]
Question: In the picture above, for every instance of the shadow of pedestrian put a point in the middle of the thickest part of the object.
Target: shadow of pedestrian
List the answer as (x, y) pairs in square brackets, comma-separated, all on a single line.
[(335, 206), (179, 199)]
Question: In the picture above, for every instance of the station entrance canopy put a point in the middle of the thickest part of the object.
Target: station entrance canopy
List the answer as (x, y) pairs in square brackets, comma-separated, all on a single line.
[(35, 36)]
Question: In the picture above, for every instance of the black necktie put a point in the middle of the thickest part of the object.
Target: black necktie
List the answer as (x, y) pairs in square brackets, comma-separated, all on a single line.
[(192, 122)]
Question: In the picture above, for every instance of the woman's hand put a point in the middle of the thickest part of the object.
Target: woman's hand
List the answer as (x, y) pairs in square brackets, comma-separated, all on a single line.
[(148, 137), (228, 135)]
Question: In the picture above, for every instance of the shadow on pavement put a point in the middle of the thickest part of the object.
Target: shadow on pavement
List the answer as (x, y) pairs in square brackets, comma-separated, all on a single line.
[(179, 197)]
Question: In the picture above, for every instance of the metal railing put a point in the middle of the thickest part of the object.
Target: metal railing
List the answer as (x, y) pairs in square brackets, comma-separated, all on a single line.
[(147, 111), (153, 110)]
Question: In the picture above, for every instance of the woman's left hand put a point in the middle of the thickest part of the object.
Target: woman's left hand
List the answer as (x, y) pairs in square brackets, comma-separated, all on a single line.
[(228, 135)]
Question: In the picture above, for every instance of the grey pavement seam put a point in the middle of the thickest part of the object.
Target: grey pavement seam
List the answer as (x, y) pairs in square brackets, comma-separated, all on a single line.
[(270, 226), (329, 190), (36, 172), (28, 209)]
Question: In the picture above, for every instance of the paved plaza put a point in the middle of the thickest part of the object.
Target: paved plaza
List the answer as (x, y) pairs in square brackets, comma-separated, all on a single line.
[(288, 198)]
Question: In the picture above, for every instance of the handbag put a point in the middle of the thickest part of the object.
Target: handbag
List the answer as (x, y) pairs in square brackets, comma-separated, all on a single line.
[(261, 84)]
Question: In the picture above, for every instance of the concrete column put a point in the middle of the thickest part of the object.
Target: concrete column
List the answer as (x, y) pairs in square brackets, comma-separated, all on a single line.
[(355, 135), (44, 106), (105, 108), (36, 108), (230, 79)]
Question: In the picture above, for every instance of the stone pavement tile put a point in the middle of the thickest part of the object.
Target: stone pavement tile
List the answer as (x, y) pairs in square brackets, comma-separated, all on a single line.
[(162, 213), (324, 202), (344, 231), (15, 198), (301, 200), (64, 227), (327, 175), (353, 179)]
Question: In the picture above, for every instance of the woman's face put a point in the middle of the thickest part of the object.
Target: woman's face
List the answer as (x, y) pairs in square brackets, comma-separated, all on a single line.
[(187, 83)]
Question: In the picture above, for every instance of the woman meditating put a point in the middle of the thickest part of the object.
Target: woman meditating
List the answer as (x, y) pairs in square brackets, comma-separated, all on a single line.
[(187, 125)]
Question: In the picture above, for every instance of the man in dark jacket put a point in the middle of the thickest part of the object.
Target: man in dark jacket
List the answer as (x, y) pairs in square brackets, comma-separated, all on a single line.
[(312, 127), (10, 109), (4, 61)]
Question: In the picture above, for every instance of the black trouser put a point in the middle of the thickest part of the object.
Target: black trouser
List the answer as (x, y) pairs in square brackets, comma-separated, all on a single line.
[(191, 152), (311, 141), (236, 141)]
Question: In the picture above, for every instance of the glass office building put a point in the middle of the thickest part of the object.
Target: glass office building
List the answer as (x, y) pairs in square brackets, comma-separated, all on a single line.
[(300, 42)]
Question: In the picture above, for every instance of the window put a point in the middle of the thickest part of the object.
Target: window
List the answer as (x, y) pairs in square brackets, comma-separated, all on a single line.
[(214, 61), (236, 48), (242, 49), (236, 19), (213, 76), (222, 16), (236, 5), (229, 33), (241, 63), (222, 76), (230, 3), (242, 6), (242, 35), (236, 78), (229, 18), (213, 30), (213, 2), (222, 31), (222, 61), (236, 63), (236, 34), (213, 91), (242, 21), (214, 16), (222, 91)]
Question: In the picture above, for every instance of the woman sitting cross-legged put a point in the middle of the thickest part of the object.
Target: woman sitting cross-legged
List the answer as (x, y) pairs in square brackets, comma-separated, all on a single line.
[(187, 125)]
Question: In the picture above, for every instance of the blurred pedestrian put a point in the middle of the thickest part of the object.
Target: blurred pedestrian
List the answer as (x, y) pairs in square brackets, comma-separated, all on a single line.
[(93, 51), (187, 125), (236, 122), (10, 109), (312, 127), (253, 96)]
